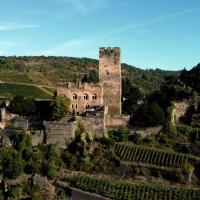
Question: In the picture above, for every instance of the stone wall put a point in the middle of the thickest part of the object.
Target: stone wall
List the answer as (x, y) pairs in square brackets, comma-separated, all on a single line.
[(146, 131), (59, 132), (110, 77), (180, 108), (82, 95), (37, 138), (113, 121), (95, 124), (107, 92)]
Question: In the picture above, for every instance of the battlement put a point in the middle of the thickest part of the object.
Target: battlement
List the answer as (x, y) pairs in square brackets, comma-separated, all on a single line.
[(108, 52), (80, 85)]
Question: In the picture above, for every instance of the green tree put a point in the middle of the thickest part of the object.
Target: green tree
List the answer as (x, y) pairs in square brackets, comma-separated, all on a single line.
[(60, 107), (13, 165), (120, 134), (156, 115), (22, 106), (150, 114), (50, 169), (132, 95), (21, 140), (93, 76)]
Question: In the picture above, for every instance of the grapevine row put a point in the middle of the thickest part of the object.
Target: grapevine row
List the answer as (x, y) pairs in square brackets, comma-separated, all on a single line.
[(150, 156), (128, 191)]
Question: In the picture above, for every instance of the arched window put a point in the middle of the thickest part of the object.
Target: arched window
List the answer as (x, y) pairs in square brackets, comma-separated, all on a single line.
[(94, 97), (74, 96), (85, 96), (87, 106)]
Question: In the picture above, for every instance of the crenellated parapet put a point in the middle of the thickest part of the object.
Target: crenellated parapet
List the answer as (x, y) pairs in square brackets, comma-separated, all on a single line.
[(111, 54)]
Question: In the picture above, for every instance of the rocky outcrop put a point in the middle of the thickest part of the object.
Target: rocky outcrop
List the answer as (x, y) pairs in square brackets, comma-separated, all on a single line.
[(179, 110)]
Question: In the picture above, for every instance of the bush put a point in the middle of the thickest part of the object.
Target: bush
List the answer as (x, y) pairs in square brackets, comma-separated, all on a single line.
[(136, 138), (120, 134), (22, 106), (150, 114), (60, 107), (50, 170), (170, 129), (13, 165)]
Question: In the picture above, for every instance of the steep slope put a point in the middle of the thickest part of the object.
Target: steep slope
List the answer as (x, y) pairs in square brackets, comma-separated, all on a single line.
[(53, 71)]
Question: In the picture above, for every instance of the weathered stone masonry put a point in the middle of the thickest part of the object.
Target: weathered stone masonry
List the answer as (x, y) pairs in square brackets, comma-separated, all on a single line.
[(105, 93)]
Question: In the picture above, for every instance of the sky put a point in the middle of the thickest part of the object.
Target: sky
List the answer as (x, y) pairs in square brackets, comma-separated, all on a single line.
[(161, 34)]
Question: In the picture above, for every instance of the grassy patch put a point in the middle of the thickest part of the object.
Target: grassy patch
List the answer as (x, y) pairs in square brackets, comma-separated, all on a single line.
[(10, 90), (52, 90)]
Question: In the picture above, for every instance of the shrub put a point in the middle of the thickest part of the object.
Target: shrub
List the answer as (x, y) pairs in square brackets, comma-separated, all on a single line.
[(120, 134)]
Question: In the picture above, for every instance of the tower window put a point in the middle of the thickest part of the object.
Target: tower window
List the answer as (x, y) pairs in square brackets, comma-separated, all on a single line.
[(94, 97), (72, 106), (74, 96), (76, 106), (85, 96)]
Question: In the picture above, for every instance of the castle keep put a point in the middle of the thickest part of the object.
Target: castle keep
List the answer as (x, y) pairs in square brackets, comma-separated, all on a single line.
[(106, 93)]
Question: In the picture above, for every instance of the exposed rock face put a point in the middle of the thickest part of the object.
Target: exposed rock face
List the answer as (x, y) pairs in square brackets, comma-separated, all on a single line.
[(180, 108), (146, 131), (40, 180)]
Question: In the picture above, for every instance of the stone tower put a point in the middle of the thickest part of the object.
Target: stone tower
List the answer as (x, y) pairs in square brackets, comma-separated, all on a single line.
[(110, 77)]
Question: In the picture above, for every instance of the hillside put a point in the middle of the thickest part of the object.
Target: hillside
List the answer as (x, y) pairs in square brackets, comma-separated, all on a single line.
[(9, 90), (191, 77), (52, 71)]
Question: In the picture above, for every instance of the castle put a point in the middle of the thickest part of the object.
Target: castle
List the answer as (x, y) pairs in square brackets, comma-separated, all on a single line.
[(99, 104), (106, 93)]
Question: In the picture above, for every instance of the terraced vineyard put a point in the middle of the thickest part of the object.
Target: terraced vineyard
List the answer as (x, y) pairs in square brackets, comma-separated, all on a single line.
[(11, 89), (125, 190), (150, 156)]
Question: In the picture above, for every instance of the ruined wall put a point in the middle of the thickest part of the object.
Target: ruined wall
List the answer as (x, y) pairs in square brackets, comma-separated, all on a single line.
[(110, 77), (113, 121), (37, 138), (59, 132), (77, 93), (146, 131), (179, 110), (107, 91), (95, 124)]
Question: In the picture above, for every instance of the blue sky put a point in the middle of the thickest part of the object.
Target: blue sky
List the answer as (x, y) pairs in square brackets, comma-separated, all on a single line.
[(151, 33)]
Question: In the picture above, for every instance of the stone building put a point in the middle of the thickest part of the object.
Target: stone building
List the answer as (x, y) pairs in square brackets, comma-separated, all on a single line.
[(107, 92), (98, 103)]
